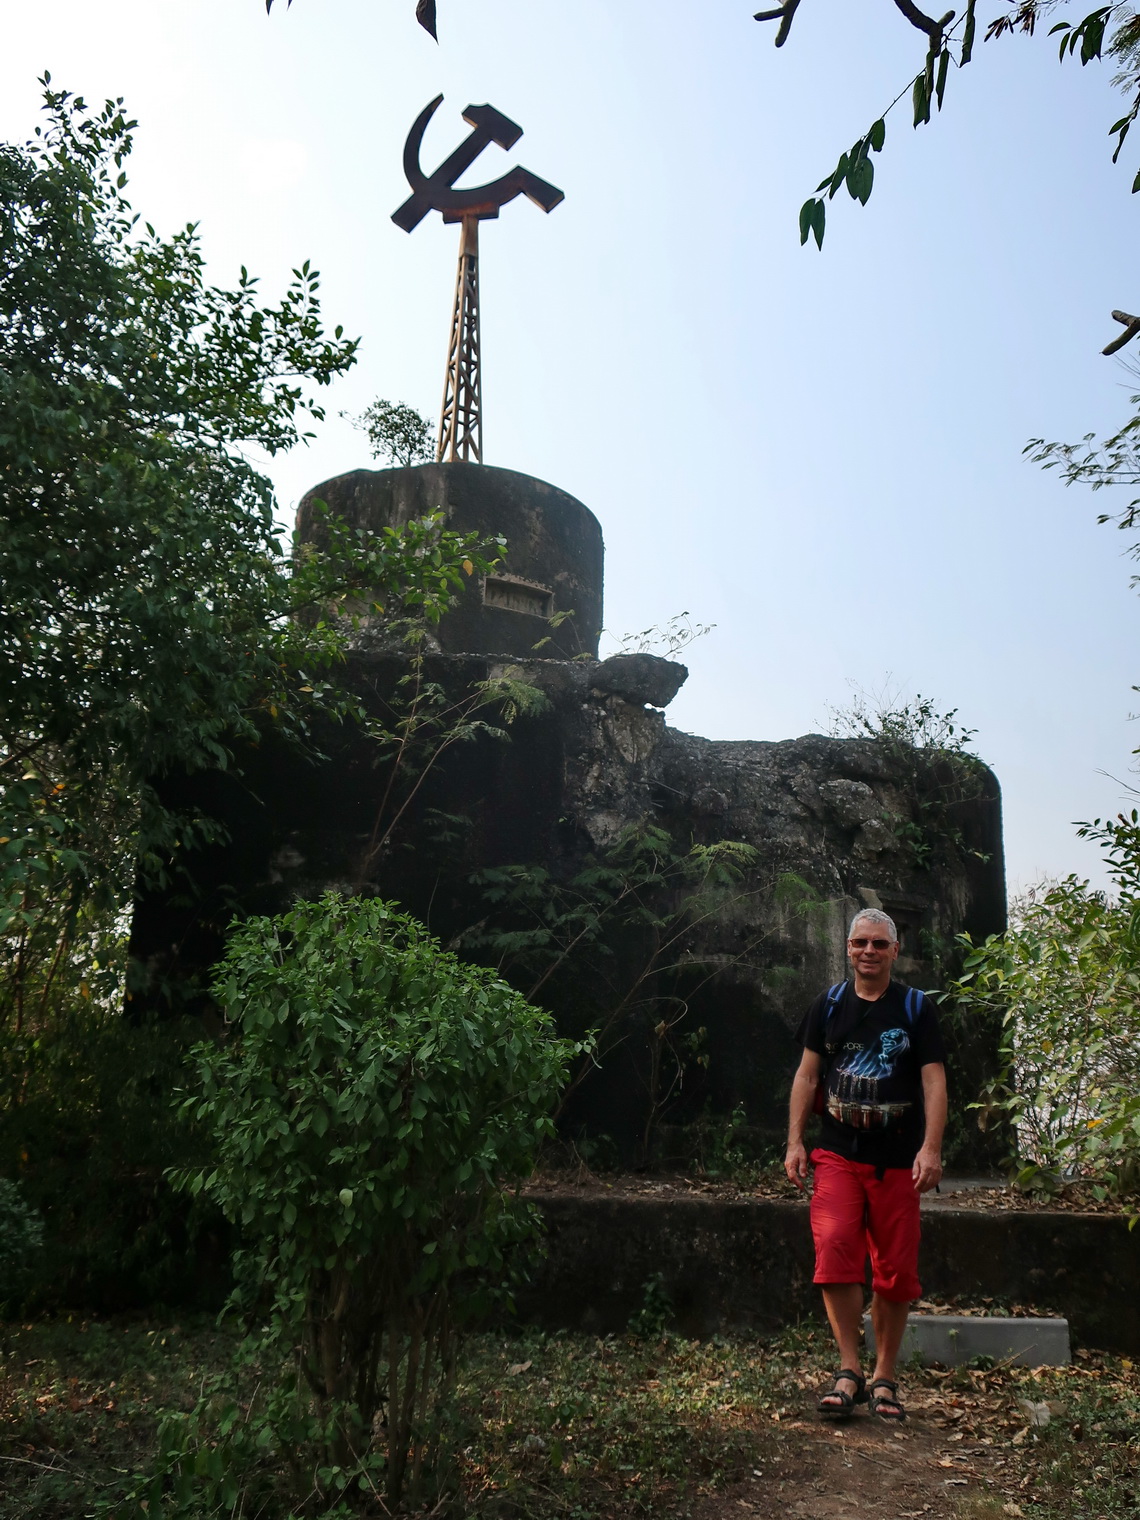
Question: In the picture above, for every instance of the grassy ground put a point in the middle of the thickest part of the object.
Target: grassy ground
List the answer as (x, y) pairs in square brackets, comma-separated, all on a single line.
[(570, 1427)]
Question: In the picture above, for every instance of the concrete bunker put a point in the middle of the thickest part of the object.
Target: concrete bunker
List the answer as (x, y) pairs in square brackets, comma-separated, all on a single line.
[(577, 790)]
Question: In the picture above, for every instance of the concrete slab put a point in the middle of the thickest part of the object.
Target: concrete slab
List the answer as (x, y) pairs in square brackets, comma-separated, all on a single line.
[(950, 1339), (950, 1190)]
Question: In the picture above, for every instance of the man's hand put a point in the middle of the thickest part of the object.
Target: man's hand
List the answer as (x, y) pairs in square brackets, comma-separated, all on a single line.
[(796, 1163), (927, 1170)]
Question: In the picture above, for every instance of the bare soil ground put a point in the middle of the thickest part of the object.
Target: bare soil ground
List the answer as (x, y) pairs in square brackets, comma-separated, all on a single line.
[(578, 1428), (830, 1472)]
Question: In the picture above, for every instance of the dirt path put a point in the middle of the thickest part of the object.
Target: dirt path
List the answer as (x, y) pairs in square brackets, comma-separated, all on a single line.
[(818, 1471)]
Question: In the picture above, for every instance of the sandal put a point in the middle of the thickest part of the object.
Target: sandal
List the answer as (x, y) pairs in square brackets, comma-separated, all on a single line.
[(887, 1406), (846, 1401)]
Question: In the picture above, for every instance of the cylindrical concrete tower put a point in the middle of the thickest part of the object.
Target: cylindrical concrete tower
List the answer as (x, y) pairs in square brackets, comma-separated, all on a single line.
[(553, 563)]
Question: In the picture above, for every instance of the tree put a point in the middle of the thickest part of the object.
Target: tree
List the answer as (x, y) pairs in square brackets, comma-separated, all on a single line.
[(396, 433), (374, 1102), (1065, 984), (152, 620)]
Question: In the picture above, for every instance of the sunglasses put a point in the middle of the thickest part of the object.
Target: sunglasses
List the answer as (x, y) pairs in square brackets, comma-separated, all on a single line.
[(875, 944)]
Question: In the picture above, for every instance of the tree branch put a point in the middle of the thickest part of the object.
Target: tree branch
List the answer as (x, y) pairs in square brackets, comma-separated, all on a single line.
[(1131, 328), (925, 23), (784, 15)]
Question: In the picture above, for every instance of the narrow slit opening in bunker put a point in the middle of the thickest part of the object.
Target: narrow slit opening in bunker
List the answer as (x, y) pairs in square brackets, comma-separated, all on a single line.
[(517, 596)]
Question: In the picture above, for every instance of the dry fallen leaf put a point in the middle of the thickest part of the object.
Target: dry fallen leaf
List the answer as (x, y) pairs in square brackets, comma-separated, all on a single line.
[(518, 1367), (1036, 1411)]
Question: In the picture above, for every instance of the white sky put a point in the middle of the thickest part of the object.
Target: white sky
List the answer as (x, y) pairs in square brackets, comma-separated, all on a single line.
[(819, 453)]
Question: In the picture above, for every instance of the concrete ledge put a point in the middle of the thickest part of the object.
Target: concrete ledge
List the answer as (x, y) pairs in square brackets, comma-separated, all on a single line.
[(950, 1339), (747, 1264)]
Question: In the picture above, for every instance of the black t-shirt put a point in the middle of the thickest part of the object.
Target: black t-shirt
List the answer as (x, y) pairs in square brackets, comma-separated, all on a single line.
[(873, 1058)]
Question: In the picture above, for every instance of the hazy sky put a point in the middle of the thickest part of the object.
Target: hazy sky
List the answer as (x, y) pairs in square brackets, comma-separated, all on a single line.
[(819, 453)]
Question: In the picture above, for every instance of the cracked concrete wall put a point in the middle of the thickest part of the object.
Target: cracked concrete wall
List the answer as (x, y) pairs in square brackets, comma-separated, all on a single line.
[(562, 789)]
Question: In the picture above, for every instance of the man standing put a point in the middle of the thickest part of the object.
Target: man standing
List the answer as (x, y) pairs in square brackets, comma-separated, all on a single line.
[(874, 1054)]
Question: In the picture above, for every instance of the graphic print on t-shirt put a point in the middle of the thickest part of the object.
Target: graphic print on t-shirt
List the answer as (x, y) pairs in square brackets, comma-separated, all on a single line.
[(854, 1091)]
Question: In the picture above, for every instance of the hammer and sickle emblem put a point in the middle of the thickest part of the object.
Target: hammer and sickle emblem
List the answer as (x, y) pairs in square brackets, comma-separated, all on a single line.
[(435, 192)]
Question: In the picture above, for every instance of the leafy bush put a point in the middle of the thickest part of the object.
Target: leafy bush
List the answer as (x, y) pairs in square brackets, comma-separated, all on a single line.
[(153, 623), (88, 1128), (397, 433), (1065, 980), (373, 1099), (649, 1322), (21, 1238), (931, 755), (87, 1125)]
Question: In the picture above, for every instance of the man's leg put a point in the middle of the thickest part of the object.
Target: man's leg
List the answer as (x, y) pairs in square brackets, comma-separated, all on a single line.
[(838, 1209), (893, 1233), (844, 1305), (889, 1319)]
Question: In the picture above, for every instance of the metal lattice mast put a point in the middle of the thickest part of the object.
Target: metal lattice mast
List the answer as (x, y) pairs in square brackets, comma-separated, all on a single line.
[(461, 418)]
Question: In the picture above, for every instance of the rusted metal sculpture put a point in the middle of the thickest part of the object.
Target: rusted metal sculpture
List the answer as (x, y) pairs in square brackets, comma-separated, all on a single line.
[(461, 419)]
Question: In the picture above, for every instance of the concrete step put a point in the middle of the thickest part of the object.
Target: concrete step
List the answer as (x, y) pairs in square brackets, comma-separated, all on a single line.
[(950, 1339)]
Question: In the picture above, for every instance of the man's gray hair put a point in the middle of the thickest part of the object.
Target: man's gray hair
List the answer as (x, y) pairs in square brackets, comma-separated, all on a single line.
[(874, 916)]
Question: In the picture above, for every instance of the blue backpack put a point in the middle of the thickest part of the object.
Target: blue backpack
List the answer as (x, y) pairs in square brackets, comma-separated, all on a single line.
[(913, 1004)]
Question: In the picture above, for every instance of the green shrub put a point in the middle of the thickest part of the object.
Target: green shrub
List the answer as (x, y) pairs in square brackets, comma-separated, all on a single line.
[(372, 1100), (649, 1322), (1065, 981), (89, 1129), (21, 1239)]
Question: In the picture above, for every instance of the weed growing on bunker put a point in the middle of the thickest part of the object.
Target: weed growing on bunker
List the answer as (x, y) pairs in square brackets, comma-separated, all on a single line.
[(931, 755)]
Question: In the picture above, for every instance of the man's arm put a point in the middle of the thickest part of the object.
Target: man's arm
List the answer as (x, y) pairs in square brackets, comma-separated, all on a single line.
[(804, 1085), (927, 1169)]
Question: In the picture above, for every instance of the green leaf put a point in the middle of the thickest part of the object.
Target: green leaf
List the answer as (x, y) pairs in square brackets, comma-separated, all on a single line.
[(968, 35), (806, 216), (943, 65), (819, 222), (921, 100), (1093, 38), (877, 136), (1122, 128), (862, 181)]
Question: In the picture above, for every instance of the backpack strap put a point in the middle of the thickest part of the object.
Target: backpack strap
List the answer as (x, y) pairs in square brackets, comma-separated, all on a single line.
[(834, 998), (913, 1003)]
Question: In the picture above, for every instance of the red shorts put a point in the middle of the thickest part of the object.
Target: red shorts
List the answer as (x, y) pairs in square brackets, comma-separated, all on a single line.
[(853, 1212)]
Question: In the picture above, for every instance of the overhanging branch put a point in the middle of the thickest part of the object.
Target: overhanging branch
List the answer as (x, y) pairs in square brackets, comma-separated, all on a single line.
[(784, 14), (1131, 328), (925, 23)]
